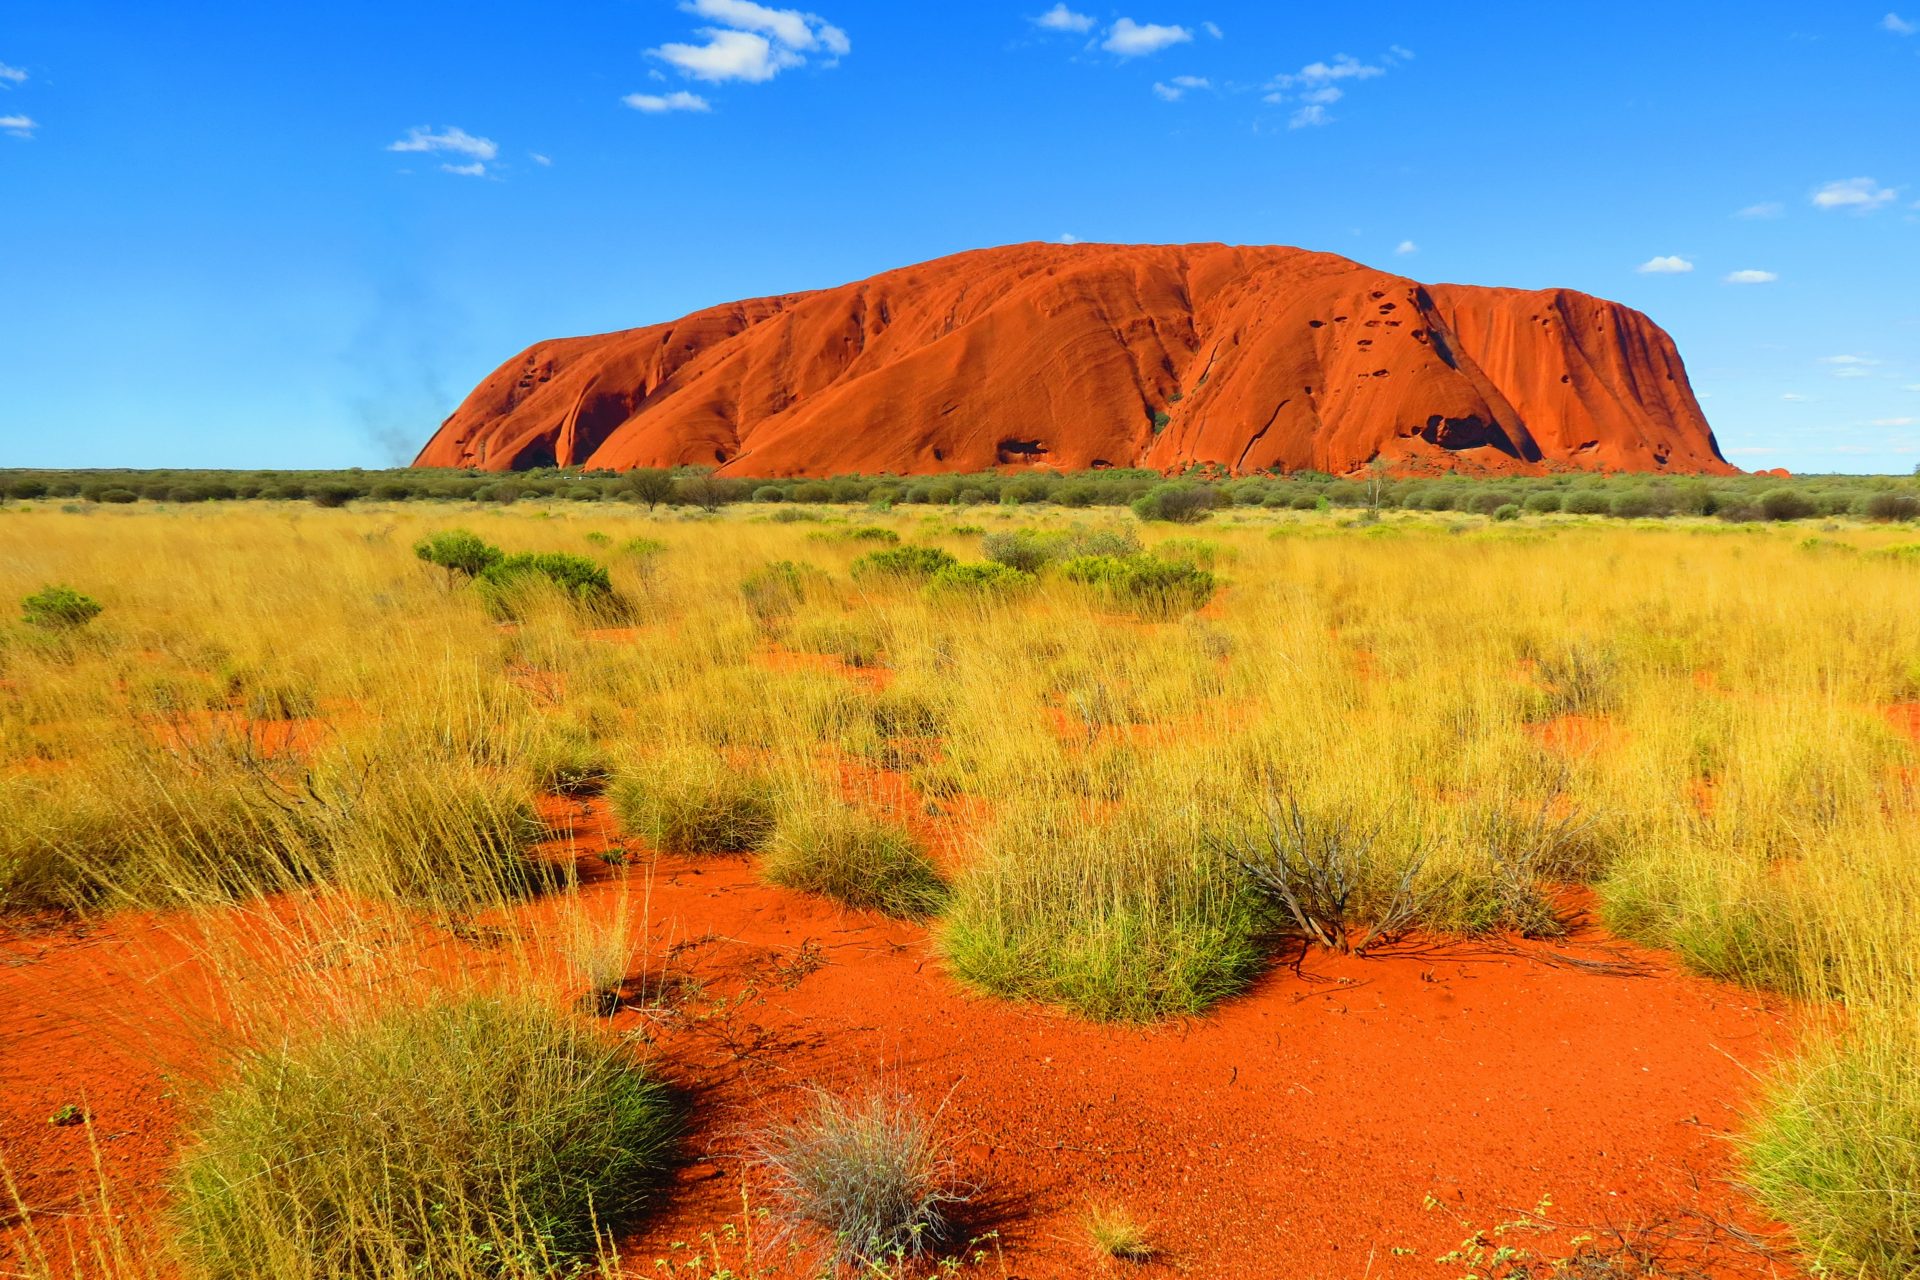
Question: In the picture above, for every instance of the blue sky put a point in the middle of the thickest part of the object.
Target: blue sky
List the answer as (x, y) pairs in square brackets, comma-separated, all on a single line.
[(266, 235)]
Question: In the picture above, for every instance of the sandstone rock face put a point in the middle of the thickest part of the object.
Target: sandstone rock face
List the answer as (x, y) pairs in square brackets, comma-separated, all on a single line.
[(1077, 356)]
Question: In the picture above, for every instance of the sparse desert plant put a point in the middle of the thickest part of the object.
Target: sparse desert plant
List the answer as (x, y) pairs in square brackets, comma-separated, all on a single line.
[(851, 856), (474, 1135), (871, 1172), (690, 800), (1320, 870), (1114, 1232), (599, 951), (59, 608)]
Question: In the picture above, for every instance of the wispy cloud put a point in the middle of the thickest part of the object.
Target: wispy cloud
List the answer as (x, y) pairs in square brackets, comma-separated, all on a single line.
[(1317, 86), (1767, 209), (1849, 366), (1213, 29), (752, 42), (1794, 397), (1898, 25), (1179, 87), (1061, 18), (454, 143), (1067, 237), (1129, 39), (422, 138), (1856, 195), (1896, 422), (1406, 247), (10, 76), (1666, 265), (656, 103), (18, 126), (545, 162), (1749, 275)]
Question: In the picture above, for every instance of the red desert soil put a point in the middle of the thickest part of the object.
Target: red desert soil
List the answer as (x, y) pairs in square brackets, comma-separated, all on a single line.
[(1062, 356), (1297, 1131)]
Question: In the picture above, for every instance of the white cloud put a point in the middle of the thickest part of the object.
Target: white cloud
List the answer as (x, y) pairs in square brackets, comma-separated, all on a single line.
[(10, 76), (1326, 97), (1061, 18), (422, 138), (1749, 275), (1898, 25), (1666, 265), (655, 103), (1794, 397), (1860, 195), (1167, 93), (1768, 209), (752, 42), (543, 161), (1130, 39), (1177, 90), (1914, 387), (1849, 366), (1896, 422), (1343, 67), (729, 55), (18, 126), (1399, 53), (474, 170), (1067, 237), (1848, 360), (1405, 247), (1213, 29), (1193, 82), (1309, 117)]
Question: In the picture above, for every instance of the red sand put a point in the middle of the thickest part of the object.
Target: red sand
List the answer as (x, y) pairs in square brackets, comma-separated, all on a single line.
[(1061, 356), (1296, 1131)]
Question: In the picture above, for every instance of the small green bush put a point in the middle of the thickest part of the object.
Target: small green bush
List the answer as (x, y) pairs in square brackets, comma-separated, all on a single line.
[(59, 608), (503, 585), (458, 551), (1587, 502), (849, 855), (1177, 503), (474, 1136), (1507, 511), (985, 579), (689, 800), (902, 562), (1144, 584), (1888, 508), (1785, 504), (1543, 501)]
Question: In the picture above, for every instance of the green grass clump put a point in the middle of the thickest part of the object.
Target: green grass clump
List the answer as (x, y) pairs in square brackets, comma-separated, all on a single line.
[(458, 551), (506, 584), (472, 1137), (1835, 1152), (59, 608), (1123, 919), (688, 800), (984, 580), (851, 856)]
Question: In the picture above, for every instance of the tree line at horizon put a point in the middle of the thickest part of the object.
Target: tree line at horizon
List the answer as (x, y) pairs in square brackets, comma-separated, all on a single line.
[(1738, 498)]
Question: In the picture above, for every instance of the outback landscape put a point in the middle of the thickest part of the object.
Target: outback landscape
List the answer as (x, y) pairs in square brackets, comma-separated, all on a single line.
[(1230, 883), (692, 640)]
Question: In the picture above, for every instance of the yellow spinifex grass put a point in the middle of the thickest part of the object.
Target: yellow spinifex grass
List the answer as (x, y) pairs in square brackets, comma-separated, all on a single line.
[(1689, 717)]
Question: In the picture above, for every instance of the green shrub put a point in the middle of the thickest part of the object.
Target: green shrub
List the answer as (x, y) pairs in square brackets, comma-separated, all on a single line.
[(1587, 502), (847, 854), (769, 493), (1507, 511), (59, 608), (902, 562), (689, 800), (504, 584), (1177, 503), (458, 551), (1144, 584), (1888, 508), (473, 1136), (1543, 501), (1785, 504), (331, 495), (981, 579)]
